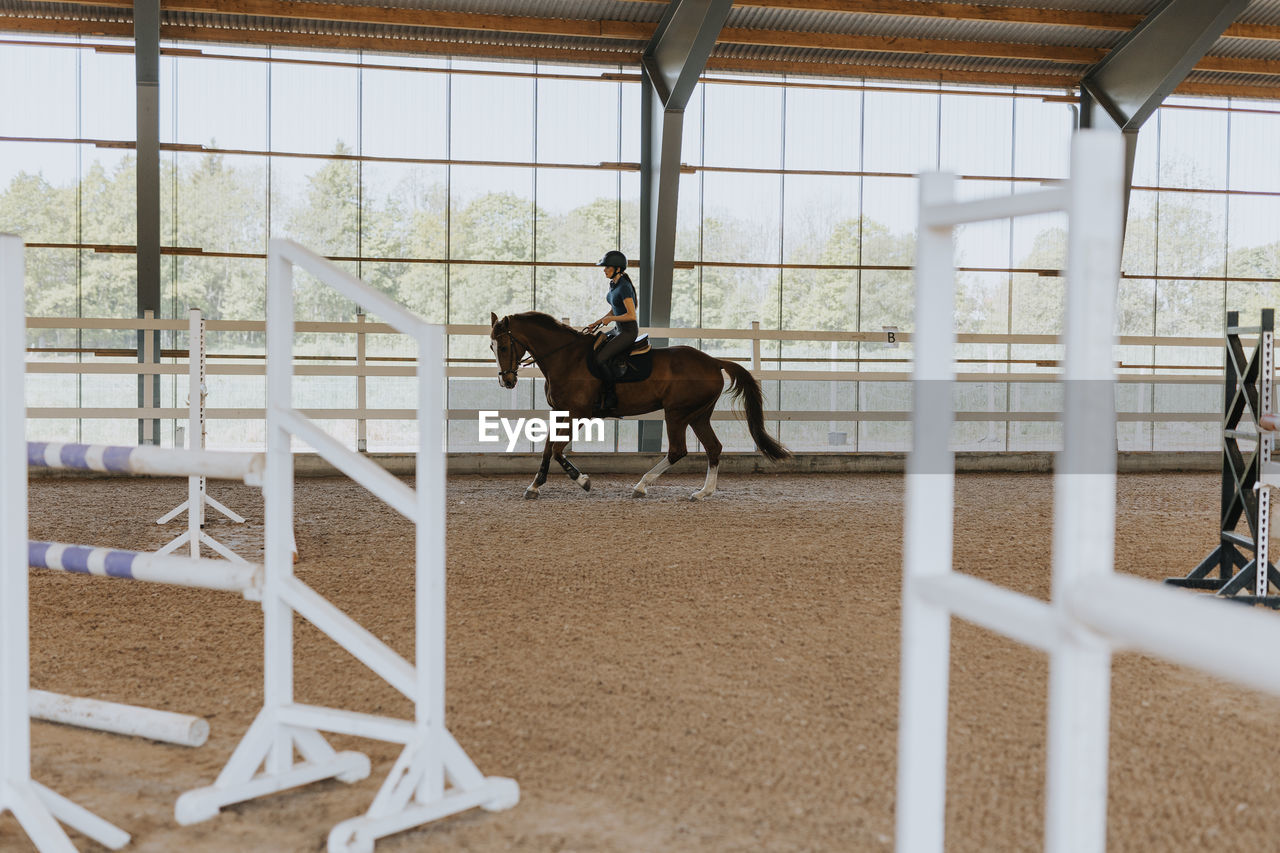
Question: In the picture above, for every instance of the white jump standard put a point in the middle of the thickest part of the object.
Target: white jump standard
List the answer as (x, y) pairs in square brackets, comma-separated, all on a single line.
[(1092, 610), (433, 777), (1244, 571), (197, 484)]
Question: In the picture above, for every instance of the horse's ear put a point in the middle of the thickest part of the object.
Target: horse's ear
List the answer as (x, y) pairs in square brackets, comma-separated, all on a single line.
[(493, 319)]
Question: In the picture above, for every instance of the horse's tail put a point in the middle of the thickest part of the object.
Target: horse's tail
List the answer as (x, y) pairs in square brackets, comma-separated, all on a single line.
[(745, 387)]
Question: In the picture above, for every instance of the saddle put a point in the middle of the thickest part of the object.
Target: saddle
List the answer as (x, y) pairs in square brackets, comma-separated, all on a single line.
[(634, 366)]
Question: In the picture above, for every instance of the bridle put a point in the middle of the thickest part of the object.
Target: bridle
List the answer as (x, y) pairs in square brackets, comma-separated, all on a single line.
[(524, 362), (528, 358)]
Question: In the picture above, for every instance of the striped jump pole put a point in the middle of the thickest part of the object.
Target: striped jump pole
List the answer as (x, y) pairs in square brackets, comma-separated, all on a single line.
[(149, 461), (245, 578), (117, 718)]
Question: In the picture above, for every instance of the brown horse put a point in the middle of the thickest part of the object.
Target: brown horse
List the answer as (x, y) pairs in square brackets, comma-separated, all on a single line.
[(685, 384)]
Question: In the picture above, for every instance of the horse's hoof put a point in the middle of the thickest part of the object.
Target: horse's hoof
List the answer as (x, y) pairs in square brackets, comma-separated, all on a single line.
[(585, 482), (696, 496), (531, 494), (637, 494)]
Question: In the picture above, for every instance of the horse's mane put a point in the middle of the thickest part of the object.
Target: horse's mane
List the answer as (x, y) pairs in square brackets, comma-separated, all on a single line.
[(544, 321)]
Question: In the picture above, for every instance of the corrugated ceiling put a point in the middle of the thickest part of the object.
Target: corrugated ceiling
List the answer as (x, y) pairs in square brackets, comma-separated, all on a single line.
[(1009, 42)]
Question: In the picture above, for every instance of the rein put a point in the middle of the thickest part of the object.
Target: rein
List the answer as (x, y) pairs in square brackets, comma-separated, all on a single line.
[(530, 357)]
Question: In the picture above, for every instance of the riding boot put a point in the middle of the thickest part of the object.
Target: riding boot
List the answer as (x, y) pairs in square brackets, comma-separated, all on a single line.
[(608, 397)]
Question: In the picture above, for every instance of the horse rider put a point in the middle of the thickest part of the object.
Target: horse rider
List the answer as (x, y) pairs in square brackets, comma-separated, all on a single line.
[(622, 313)]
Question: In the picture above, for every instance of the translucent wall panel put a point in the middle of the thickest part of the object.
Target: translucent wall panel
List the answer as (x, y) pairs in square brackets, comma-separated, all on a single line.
[(823, 129), (631, 123), (50, 71), (575, 293), (1146, 161), (224, 288), (108, 96), (818, 299), (108, 197), (404, 211), (1192, 234), (314, 108), (689, 223), (686, 299), (741, 217), (1042, 138), (691, 130), (743, 126), (901, 132), (38, 199), (403, 114), (1253, 161), (221, 202), (219, 103), (888, 299), (317, 301), (629, 215), (821, 219), (1139, 256), (491, 213), (889, 214), (456, 242), (1253, 235), (577, 214), (1190, 308), (317, 203), (577, 122), (108, 288), (977, 135), (984, 244), (491, 118), (982, 306), (477, 290), (52, 287), (1193, 149)]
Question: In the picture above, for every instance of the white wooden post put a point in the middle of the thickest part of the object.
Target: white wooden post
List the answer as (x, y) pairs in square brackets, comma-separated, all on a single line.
[(926, 628), (362, 437), (1085, 500)]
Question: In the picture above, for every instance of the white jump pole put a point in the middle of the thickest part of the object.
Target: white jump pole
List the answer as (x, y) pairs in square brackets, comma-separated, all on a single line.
[(117, 718), (197, 486)]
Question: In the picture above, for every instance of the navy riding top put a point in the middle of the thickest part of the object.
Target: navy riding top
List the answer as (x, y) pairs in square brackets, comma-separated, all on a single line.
[(620, 291)]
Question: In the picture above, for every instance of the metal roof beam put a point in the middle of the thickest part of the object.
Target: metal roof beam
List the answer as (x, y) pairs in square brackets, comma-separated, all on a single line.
[(671, 64), (1148, 64)]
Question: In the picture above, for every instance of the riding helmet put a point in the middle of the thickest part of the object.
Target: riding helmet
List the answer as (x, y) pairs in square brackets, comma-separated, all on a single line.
[(614, 259)]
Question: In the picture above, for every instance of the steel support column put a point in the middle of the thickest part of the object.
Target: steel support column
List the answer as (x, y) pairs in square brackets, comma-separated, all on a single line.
[(146, 35), (1134, 78), (670, 66)]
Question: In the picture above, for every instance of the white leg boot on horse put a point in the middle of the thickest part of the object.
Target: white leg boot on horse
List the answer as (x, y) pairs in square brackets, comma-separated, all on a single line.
[(676, 450), (641, 488), (702, 429)]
